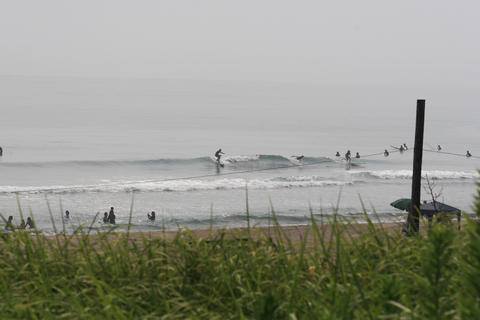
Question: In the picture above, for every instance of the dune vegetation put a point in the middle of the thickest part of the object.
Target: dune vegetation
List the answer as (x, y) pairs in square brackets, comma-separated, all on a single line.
[(336, 271)]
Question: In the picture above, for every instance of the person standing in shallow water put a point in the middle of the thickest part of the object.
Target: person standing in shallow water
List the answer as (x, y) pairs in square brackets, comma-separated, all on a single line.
[(151, 217), (105, 217), (30, 223), (347, 155), (111, 216), (9, 225), (1, 151)]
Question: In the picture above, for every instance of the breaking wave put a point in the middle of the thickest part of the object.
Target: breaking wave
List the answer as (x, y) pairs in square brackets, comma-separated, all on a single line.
[(407, 174), (179, 185)]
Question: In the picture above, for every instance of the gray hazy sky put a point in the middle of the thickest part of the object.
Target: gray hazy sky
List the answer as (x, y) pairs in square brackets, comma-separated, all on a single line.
[(370, 41)]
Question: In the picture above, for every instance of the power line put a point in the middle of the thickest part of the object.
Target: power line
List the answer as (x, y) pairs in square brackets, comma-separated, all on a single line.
[(451, 153), (379, 153), (247, 171), (264, 169), (295, 166)]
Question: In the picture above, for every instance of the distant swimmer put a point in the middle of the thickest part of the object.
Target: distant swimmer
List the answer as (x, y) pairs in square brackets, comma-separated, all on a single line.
[(468, 155), (299, 158), (439, 148), (67, 215), (151, 217), (385, 153), (218, 155), (337, 154), (30, 223), (405, 146), (357, 155)]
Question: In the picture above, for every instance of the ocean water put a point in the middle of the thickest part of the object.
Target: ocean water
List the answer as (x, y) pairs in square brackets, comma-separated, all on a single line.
[(86, 145)]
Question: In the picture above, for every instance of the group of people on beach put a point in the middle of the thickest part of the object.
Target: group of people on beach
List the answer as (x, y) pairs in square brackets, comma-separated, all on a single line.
[(23, 225)]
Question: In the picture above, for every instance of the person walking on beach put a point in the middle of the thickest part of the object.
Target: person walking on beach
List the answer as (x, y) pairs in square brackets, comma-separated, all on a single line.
[(218, 155), (468, 155), (29, 223), (67, 215), (151, 217), (111, 216), (439, 148), (405, 146), (1, 151), (105, 217)]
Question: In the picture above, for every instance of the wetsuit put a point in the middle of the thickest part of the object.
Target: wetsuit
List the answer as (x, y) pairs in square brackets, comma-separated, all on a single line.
[(218, 154)]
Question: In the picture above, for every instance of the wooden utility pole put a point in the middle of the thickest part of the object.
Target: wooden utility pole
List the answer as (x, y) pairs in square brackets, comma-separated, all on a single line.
[(413, 215)]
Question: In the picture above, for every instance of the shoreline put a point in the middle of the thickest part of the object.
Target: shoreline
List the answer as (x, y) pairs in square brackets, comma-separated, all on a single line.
[(294, 233)]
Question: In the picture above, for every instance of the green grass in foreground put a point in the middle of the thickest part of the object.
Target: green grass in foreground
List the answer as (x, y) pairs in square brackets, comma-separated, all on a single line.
[(345, 274)]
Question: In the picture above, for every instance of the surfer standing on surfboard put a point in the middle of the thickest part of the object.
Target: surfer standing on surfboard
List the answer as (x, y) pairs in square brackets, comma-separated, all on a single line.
[(218, 155)]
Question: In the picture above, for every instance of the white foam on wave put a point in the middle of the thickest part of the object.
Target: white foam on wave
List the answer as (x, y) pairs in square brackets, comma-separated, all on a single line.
[(180, 185), (407, 174), (238, 183)]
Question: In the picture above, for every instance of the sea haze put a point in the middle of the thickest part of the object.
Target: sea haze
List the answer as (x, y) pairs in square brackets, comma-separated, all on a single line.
[(88, 144)]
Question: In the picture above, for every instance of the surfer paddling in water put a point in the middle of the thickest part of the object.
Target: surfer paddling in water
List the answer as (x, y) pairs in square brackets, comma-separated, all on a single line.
[(299, 158)]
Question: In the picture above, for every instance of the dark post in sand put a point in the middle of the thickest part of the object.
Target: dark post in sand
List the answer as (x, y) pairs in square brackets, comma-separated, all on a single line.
[(413, 215)]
